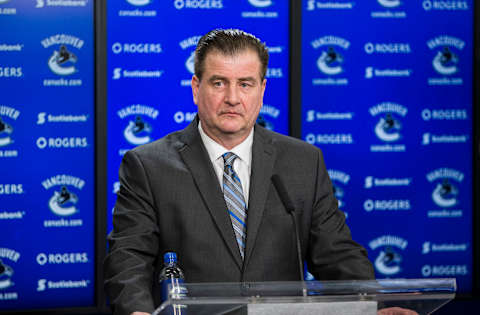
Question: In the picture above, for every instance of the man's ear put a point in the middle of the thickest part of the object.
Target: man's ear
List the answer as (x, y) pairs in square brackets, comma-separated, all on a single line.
[(195, 88), (264, 85)]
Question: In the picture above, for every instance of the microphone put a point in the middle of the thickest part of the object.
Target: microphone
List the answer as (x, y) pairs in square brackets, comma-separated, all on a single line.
[(282, 192), (290, 207)]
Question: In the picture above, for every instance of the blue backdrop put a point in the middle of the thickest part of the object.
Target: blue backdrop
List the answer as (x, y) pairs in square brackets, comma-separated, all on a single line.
[(47, 154), (387, 96), (150, 66)]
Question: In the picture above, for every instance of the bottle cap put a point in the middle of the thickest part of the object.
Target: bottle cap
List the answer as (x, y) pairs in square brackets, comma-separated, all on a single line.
[(170, 257)]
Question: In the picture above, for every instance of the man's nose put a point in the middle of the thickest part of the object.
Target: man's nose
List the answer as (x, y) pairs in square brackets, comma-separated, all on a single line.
[(232, 96)]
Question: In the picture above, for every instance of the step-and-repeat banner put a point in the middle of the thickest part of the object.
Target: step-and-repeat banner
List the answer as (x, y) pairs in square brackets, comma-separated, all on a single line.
[(150, 66), (387, 96), (47, 154)]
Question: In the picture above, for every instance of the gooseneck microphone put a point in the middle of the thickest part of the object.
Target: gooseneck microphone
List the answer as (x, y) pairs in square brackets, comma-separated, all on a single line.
[(290, 207)]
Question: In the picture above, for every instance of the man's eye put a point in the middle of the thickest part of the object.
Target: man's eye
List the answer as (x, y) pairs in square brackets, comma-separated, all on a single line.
[(244, 85), (218, 83)]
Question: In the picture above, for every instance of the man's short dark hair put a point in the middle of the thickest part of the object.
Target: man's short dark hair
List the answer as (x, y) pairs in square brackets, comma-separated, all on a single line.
[(229, 42)]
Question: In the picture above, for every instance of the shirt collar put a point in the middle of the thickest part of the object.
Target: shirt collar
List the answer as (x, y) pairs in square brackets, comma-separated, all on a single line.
[(216, 150)]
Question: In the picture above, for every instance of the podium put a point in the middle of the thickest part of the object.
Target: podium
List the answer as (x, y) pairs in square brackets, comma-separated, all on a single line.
[(423, 296)]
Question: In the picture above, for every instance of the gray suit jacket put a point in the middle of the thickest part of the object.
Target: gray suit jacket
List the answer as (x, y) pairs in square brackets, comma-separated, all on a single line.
[(170, 200)]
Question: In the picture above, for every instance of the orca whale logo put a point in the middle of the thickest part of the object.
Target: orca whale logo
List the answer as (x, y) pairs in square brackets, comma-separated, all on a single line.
[(139, 2), (6, 273), (190, 63), (137, 132), (261, 3), (330, 62), (388, 262), (445, 62), (264, 123), (339, 194), (5, 129), (389, 3), (387, 128), (62, 62), (63, 203), (445, 194)]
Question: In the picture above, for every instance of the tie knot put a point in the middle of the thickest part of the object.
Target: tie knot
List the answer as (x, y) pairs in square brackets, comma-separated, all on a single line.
[(228, 158)]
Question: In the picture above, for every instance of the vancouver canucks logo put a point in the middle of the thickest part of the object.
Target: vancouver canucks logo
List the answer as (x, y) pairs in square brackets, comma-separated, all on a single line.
[(62, 62), (5, 132), (389, 3), (137, 132), (388, 261), (339, 180), (445, 48), (445, 194), (139, 2), (63, 202), (190, 63), (261, 3), (339, 194), (330, 62), (445, 61), (264, 123), (6, 273), (387, 128)]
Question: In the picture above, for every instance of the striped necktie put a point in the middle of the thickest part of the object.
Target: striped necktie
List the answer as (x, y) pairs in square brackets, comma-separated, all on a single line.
[(233, 194)]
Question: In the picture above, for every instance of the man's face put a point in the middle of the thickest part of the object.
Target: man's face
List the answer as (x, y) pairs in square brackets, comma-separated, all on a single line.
[(229, 96)]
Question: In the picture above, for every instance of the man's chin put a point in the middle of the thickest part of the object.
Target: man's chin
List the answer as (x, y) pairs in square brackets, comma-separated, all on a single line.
[(232, 130), (231, 126)]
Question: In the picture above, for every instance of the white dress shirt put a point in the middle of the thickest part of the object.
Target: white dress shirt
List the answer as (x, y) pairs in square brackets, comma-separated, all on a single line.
[(242, 164)]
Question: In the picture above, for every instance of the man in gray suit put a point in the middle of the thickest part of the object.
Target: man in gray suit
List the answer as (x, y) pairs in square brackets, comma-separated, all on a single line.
[(206, 192)]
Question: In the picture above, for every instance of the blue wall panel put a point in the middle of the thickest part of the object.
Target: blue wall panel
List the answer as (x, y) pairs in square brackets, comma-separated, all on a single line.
[(387, 96), (47, 154)]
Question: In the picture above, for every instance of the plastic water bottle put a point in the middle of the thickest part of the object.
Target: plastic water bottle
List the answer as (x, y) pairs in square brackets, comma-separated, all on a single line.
[(172, 275)]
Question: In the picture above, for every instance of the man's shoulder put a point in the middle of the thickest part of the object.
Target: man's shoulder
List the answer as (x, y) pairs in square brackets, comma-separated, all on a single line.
[(284, 142), (165, 146)]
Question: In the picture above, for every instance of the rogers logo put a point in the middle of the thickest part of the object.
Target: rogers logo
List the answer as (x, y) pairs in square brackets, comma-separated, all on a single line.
[(62, 258), (198, 4)]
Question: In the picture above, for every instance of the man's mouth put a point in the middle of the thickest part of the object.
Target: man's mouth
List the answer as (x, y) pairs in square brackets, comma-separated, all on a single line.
[(231, 114)]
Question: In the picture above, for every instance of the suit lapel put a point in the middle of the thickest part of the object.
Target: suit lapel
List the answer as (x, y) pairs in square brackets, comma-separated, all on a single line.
[(263, 158), (196, 158)]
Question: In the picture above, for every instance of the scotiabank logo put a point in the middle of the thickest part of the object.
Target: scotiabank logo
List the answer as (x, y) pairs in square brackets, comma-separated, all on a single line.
[(61, 3), (44, 284)]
